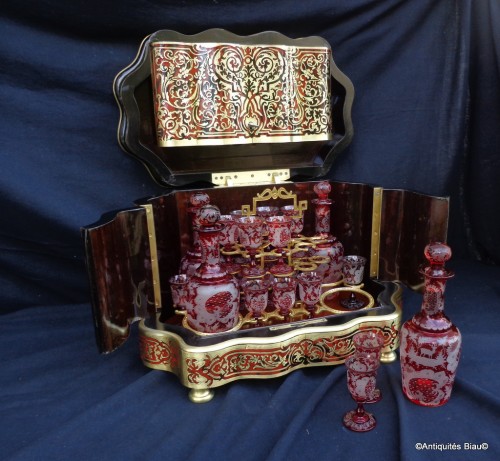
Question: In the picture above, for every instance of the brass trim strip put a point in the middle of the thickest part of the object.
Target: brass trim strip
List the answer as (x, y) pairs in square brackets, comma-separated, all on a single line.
[(376, 223), (155, 270), (239, 178), (235, 139), (241, 43)]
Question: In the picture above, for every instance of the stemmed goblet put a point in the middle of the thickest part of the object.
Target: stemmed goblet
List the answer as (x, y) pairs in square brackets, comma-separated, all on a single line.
[(266, 211), (353, 270), (255, 297), (250, 229), (283, 294), (370, 342), (228, 240), (309, 289), (280, 235), (361, 383), (178, 287), (297, 219)]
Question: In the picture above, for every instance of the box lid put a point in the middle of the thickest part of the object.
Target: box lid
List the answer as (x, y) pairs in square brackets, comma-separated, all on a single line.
[(204, 107)]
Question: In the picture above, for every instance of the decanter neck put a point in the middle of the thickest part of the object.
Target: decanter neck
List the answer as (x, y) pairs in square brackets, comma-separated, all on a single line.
[(431, 316)]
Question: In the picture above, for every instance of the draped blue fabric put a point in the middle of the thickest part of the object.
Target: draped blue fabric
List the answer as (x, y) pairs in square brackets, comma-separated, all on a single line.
[(426, 116)]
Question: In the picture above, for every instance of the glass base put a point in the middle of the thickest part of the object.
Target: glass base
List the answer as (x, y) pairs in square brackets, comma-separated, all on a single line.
[(352, 303), (354, 421)]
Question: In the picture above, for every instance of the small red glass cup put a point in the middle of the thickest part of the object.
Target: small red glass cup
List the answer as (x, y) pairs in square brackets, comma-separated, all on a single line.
[(309, 284), (284, 294), (266, 211), (297, 219), (250, 229), (370, 342), (361, 383), (178, 287), (228, 239), (279, 237), (255, 296), (353, 268)]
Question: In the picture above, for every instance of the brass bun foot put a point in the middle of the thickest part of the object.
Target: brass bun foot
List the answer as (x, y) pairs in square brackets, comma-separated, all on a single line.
[(388, 357), (201, 395)]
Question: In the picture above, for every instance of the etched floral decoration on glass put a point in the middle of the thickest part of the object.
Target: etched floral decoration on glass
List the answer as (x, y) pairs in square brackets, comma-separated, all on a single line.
[(178, 287), (353, 269), (280, 235), (370, 342), (296, 217), (212, 301), (284, 295), (327, 245), (192, 259), (361, 383), (309, 284), (255, 297), (228, 240), (430, 343), (250, 237)]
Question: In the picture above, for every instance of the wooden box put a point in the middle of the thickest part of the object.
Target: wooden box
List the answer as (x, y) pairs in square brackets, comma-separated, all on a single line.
[(247, 120)]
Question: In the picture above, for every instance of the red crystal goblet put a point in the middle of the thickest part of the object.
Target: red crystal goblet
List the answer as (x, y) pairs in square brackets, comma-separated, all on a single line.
[(280, 235), (353, 269), (309, 289), (228, 240), (283, 295), (361, 382), (370, 342), (297, 219), (250, 229), (178, 287), (255, 296)]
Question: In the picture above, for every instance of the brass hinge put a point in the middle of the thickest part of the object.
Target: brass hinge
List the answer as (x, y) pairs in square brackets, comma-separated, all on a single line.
[(243, 178)]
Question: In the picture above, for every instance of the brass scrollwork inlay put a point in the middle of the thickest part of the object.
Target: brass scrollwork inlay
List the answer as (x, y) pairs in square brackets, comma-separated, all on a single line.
[(216, 93)]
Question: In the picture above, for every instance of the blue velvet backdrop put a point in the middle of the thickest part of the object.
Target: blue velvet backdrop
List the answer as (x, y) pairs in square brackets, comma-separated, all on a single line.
[(426, 117)]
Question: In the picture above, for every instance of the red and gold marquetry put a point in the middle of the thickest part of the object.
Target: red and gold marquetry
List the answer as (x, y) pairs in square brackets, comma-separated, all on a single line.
[(218, 93), (204, 367)]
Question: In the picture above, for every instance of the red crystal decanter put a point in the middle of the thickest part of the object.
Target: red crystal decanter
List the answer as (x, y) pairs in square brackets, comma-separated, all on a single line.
[(212, 300), (430, 343), (330, 246)]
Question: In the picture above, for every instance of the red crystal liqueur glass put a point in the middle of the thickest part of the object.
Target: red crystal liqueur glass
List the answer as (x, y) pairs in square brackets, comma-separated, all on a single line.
[(309, 289), (361, 383), (255, 296), (178, 287), (370, 342), (280, 234), (228, 240), (283, 295), (353, 269), (296, 217), (251, 230)]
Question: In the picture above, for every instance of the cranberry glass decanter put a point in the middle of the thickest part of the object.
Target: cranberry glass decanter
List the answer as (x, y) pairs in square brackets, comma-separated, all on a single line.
[(329, 246), (430, 343), (212, 300)]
